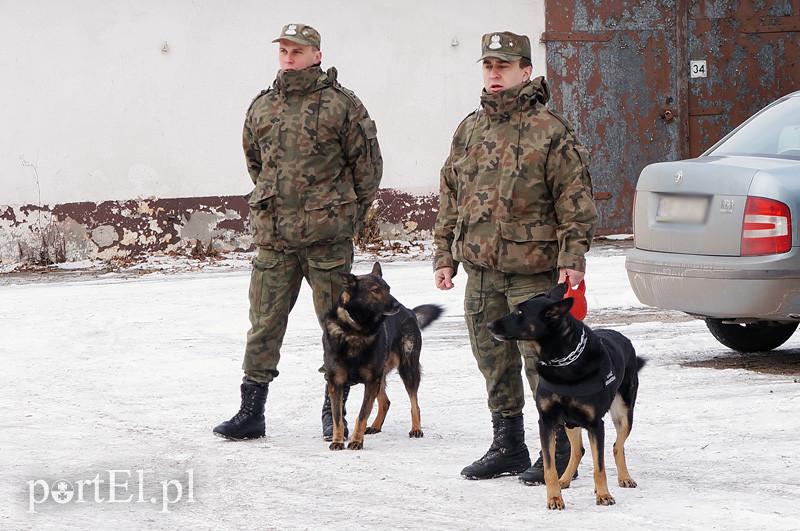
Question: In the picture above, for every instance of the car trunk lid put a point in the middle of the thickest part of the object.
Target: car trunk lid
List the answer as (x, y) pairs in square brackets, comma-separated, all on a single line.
[(694, 206)]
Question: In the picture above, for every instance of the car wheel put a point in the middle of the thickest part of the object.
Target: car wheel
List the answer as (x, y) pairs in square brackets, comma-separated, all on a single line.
[(753, 337)]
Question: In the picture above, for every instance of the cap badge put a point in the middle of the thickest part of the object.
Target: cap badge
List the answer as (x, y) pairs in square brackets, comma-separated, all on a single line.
[(291, 29), (495, 44)]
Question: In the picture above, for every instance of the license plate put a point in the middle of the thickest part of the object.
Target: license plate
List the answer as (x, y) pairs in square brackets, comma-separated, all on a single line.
[(682, 209)]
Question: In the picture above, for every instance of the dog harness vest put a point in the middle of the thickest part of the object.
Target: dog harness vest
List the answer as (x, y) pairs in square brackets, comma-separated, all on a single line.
[(593, 386)]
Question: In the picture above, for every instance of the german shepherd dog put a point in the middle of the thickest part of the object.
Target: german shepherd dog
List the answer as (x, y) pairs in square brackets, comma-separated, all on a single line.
[(582, 375), (366, 335)]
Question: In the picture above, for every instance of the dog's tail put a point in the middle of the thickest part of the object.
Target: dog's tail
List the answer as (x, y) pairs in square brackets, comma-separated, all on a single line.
[(427, 313), (640, 362)]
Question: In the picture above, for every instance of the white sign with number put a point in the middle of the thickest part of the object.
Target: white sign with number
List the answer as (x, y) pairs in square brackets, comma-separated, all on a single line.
[(697, 69)]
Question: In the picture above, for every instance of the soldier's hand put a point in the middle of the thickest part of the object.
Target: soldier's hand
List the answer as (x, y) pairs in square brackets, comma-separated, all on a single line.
[(575, 277), (443, 277)]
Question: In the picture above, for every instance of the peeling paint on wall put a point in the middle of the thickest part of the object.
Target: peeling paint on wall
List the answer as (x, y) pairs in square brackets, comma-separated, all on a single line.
[(117, 229), (404, 216)]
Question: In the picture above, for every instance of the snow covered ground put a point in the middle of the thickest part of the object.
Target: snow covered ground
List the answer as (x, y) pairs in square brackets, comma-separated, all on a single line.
[(130, 375)]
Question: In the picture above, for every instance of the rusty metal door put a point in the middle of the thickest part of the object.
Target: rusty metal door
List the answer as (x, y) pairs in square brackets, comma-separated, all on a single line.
[(612, 70), (750, 54), (627, 74)]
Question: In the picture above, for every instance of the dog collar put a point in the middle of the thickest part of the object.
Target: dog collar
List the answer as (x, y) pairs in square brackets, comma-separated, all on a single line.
[(572, 356)]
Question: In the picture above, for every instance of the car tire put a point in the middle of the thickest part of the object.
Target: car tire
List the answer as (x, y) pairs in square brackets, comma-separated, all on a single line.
[(752, 337)]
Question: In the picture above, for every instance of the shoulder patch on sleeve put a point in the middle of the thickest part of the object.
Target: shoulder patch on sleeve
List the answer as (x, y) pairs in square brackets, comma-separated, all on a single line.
[(256, 99), (370, 129)]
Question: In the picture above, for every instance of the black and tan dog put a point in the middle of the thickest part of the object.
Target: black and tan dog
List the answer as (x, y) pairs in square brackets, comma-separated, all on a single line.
[(366, 335), (583, 373)]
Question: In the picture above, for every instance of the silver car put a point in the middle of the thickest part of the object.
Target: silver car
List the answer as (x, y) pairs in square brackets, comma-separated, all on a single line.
[(717, 236)]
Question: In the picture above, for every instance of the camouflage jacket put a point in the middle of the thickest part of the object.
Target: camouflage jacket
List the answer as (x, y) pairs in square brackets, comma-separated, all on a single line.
[(515, 192), (313, 155)]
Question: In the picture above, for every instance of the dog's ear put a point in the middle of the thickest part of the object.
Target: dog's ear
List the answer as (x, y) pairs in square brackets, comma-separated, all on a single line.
[(559, 309), (558, 292), (348, 280), (376, 269)]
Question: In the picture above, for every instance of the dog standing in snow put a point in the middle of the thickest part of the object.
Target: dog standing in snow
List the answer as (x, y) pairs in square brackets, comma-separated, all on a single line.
[(366, 335), (583, 374)]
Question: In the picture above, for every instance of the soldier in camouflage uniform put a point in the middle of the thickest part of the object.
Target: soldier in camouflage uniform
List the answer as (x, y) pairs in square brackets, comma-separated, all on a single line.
[(516, 210), (312, 153)]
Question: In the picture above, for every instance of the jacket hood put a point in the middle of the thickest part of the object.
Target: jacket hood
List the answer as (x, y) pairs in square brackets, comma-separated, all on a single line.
[(512, 104), (304, 81), (519, 98)]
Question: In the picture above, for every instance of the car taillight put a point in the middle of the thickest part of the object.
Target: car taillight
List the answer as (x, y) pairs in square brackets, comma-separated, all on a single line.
[(767, 227)]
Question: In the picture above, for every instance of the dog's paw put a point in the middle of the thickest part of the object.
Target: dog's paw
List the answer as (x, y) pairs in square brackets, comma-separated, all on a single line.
[(555, 502), (605, 499), (628, 483), (371, 431), (564, 483), (355, 445), (416, 434), (336, 446)]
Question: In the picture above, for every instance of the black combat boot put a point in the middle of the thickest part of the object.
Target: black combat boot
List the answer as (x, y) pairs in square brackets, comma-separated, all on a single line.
[(327, 415), (535, 474), (507, 454), (248, 423)]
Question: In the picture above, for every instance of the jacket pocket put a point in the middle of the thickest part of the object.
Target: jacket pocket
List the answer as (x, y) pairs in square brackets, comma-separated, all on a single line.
[(262, 213), (328, 218), (527, 247)]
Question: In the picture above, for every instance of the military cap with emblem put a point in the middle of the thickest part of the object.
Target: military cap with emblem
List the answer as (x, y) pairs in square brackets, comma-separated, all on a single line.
[(505, 46), (300, 34)]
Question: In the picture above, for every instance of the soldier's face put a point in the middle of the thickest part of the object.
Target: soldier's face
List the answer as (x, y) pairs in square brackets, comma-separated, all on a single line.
[(293, 56), (500, 75)]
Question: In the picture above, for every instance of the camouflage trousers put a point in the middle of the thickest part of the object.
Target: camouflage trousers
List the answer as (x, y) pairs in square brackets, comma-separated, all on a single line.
[(490, 295), (274, 286)]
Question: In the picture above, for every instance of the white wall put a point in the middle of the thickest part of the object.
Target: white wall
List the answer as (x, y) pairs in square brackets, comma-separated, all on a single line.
[(90, 100)]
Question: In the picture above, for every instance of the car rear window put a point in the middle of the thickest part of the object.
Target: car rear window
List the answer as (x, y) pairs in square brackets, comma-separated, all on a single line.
[(775, 132)]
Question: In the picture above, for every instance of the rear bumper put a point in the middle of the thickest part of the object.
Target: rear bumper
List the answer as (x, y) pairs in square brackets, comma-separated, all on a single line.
[(718, 286)]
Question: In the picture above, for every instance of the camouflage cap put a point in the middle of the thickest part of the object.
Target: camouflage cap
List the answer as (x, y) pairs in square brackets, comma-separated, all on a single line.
[(505, 46), (301, 34)]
